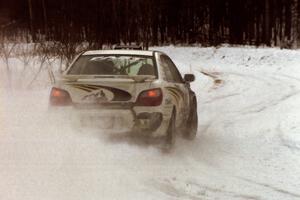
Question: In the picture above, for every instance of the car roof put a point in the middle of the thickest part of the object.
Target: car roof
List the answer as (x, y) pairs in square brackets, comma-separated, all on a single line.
[(120, 52)]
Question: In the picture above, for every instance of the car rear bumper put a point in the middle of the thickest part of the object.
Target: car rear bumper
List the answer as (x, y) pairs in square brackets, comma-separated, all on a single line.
[(105, 119), (151, 121)]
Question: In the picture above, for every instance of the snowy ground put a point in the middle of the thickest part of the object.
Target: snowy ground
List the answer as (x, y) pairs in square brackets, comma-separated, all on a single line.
[(248, 144)]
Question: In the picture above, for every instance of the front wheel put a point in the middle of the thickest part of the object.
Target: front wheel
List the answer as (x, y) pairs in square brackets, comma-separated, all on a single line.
[(192, 123)]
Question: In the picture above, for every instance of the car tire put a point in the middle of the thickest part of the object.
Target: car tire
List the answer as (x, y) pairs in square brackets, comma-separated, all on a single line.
[(171, 131), (192, 123)]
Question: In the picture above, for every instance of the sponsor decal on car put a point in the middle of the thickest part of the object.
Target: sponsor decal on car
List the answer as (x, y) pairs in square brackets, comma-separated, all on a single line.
[(175, 93), (98, 97), (113, 94)]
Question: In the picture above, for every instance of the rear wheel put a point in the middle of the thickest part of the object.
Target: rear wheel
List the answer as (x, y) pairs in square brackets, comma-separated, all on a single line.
[(171, 132), (192, 123)]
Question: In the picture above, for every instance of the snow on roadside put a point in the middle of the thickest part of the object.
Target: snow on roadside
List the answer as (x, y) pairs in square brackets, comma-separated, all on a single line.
[(283, 66), (253, 114)]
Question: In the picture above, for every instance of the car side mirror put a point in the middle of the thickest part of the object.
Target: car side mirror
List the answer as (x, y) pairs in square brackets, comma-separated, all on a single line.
[(189, 78)]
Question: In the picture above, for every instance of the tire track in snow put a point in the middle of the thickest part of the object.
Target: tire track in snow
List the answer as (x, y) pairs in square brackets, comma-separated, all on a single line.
[(274, 188), (289, 143), (285, 141), (262, 106), (272, 104), (217, 82), (218, 78), (287, 87), (192, 190), (215, 76), (221, 98), (268, 81)]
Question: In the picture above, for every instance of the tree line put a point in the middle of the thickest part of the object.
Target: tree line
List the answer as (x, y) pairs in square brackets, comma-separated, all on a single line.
[(154, 22)]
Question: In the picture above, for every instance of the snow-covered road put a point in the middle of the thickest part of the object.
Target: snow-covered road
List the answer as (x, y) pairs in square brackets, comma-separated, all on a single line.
[(248, 144)]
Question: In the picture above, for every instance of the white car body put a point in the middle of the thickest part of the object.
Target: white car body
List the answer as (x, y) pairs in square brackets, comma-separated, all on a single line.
[(113, 99)]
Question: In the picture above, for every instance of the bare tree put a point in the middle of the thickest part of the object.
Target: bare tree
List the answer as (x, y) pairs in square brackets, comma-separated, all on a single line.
[(43, 52), (6, 51), (25, 54)]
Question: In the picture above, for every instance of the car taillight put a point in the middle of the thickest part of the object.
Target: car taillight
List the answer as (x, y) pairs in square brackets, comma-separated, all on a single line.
[(59, 97), (151, 97)]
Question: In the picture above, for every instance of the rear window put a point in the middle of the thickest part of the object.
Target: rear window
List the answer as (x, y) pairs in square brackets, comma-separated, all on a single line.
[(113, 65)]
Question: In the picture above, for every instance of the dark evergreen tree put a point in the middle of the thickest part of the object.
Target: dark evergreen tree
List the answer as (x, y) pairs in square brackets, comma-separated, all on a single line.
[(153, 22)]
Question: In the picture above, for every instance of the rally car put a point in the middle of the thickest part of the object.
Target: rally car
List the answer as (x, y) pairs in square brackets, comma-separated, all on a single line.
[(136, 90)]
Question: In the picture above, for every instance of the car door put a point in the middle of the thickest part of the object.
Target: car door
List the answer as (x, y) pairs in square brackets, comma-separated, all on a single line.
[(176, 87)]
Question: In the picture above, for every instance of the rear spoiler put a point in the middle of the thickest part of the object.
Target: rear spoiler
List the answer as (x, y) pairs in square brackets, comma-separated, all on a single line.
[(138, 79), (130, 47)]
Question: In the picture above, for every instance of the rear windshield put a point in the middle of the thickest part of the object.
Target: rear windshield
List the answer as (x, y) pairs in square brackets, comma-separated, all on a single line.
[(113, 65)]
